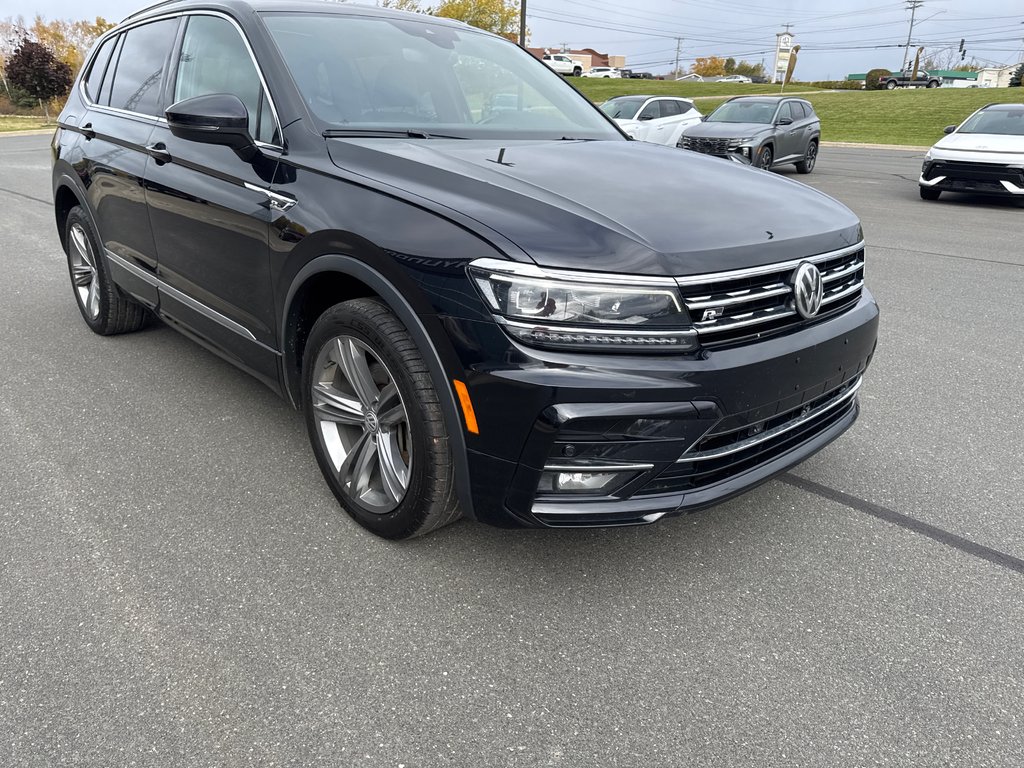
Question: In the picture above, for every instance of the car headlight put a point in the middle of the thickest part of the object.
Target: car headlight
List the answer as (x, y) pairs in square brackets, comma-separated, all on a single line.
[(584, 310), (735, 144)]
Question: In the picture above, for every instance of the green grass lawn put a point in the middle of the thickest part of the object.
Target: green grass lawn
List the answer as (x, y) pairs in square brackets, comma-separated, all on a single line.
[(602, 89), (21, 123), (913, 117)]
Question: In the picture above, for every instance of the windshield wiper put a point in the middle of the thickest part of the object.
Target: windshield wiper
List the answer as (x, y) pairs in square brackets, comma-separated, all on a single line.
[(383, 133)]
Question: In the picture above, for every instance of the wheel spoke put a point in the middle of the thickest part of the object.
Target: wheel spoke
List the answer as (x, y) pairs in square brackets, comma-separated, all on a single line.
[(82, 275), (332, 405), (93, 302), (351, 357), (81, 243), (356, 458), (393, 472), (393, 417)]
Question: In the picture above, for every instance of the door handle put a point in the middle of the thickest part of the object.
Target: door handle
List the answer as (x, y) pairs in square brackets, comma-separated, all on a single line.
[(159, 153), (88, 132)]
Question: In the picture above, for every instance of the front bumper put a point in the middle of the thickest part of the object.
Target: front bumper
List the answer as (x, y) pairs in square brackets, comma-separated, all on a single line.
[(687, 431), (973, 177)]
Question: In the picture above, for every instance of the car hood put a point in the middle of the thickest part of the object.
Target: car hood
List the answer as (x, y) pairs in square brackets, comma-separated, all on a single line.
[(727, 130), (615, 206), (982, 142)]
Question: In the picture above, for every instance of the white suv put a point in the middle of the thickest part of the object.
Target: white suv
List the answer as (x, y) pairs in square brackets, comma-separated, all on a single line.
[(562, 64), (983, 156), (655, 119), (603, 72)]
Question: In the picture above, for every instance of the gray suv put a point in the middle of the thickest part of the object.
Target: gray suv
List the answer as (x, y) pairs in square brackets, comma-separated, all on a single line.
[(765, 131)]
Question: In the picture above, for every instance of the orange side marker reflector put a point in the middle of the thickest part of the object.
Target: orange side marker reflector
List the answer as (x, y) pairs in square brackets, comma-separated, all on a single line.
[(467, 406)]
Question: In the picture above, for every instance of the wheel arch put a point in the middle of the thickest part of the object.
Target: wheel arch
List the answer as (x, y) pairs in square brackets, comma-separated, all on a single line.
[(332, 278), (66, 195)]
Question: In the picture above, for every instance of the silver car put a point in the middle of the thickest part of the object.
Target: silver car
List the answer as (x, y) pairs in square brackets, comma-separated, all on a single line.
[(766, 131)]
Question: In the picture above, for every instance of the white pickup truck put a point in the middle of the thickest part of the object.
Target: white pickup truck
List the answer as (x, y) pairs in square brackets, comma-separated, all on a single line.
[(563, 65)]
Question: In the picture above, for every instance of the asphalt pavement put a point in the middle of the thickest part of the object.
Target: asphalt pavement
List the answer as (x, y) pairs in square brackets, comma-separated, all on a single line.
[(179, 588)]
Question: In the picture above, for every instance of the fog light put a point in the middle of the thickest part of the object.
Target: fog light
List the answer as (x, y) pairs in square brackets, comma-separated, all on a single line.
[(582, 482)]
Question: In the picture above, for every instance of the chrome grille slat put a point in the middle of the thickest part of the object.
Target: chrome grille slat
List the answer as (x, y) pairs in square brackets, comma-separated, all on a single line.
[(751, 303)]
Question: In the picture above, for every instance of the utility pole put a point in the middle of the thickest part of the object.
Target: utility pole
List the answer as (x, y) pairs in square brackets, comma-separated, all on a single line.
[(522, 24), (913, 5), (675, 71)]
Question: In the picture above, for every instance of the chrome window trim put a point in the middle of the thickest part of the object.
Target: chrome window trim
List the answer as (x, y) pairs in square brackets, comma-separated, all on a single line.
[(714, 277), (124, 27)]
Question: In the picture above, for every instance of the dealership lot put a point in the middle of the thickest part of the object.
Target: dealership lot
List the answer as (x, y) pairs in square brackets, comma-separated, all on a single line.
[(180, 587)]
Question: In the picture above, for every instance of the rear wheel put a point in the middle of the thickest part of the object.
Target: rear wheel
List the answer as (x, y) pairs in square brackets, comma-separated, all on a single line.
[(933, 83), (929, 193), (810, 158), (375, 422), (890, 85), (765, 158), (103, 307)]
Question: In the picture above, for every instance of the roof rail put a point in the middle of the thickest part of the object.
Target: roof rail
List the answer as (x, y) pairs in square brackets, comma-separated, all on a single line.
[(148, 8)]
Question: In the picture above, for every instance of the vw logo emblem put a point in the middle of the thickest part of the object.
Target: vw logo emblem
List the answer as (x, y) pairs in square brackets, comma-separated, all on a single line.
[(808, 290), (371, 421)]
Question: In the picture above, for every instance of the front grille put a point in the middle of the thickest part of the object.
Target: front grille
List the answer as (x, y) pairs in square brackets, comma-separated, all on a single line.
[(707, 146), (721, 455), (732, 307), (982, 173)]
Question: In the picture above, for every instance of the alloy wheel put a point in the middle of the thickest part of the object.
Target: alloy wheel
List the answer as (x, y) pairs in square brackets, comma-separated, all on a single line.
[(811, 157), (766, 158), (83, 270), (363, 424)]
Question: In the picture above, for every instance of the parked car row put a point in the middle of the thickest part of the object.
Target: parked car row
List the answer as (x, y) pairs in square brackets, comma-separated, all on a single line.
[(764, 131), (566, 65)]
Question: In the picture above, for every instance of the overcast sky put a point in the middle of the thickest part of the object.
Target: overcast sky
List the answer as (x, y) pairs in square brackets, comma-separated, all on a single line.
[(837, 37)]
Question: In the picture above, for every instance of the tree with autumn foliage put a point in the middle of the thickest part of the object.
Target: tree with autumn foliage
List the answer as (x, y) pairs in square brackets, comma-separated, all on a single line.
[(498, 16), (69, 40), (708, 66), (36, 70)]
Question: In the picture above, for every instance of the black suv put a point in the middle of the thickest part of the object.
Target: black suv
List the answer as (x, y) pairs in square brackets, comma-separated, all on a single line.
[(485, 299), (766, 131)]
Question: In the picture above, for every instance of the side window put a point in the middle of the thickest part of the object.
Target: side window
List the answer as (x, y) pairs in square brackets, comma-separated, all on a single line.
[(214, 59), (650, 112), (94, 79), (670, 108), (140, 67)]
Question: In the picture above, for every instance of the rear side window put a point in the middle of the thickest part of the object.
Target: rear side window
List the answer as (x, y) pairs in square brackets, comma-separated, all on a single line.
[(214, 59), (140, 67), (94, 79), (670, 108)]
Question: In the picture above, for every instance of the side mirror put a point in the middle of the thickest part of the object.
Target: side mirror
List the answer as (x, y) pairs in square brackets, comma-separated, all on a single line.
[(785, 121), (218, 118), (949, 129)]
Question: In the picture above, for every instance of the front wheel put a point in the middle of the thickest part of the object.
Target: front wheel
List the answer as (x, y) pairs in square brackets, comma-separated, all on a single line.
[(765, 158), (933, 83), (929, 193), (577, 72), (375, 422), (890, 85), (810, 158)]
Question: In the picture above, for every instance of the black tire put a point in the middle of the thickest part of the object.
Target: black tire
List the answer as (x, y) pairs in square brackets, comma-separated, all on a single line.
[(765, 158), (810, 159), (933, 83), (418, 440), (577, 72), (929, 193), (890, 85), (105, 310)]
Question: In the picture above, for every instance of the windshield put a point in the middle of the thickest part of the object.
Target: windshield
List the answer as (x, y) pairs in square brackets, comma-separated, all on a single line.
[(622, 109), (393, 74), (1005, 122), (743, 112)]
